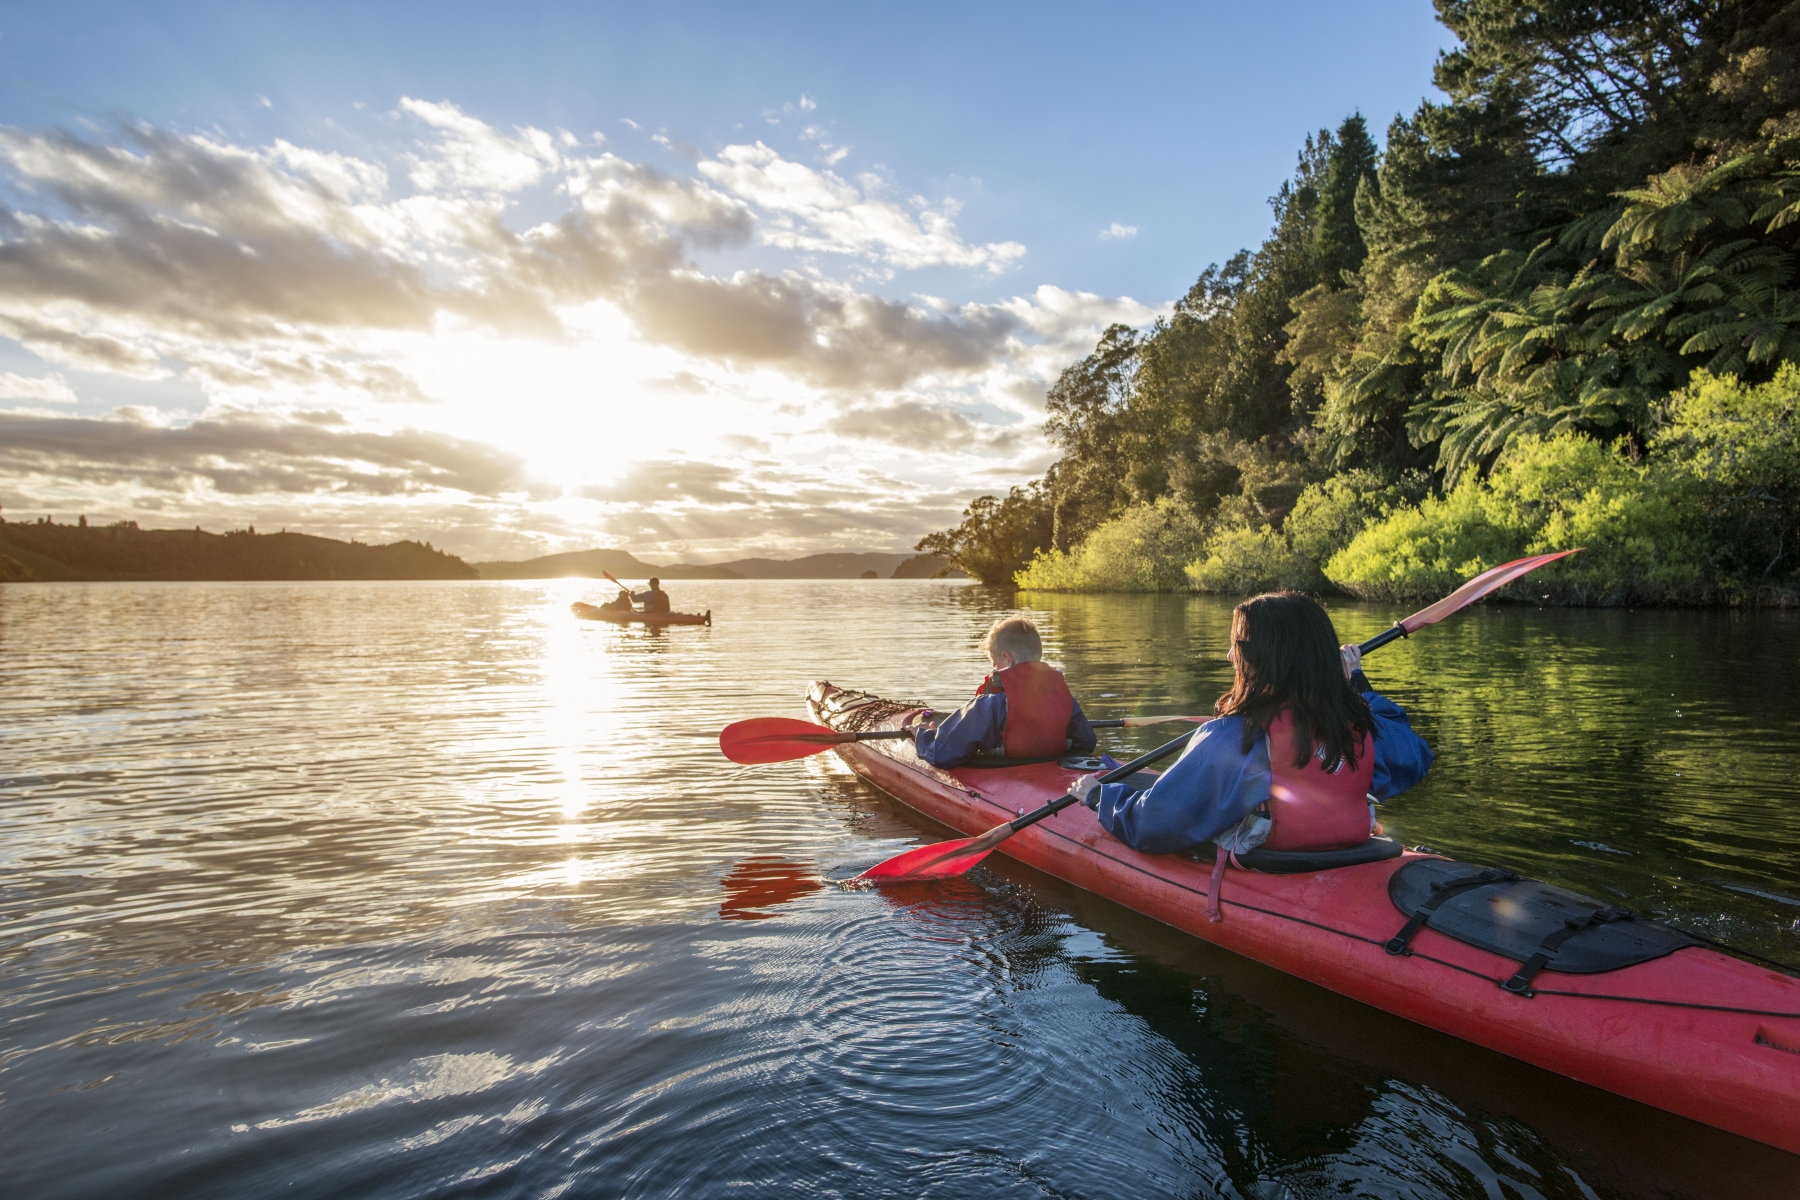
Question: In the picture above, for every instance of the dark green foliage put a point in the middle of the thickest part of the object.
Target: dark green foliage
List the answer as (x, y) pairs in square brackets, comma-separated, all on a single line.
[(1338, 246), (997, 538), (45, 551), (1605, 200)]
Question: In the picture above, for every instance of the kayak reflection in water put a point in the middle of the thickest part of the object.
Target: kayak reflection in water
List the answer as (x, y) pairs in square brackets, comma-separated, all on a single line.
[(760, 883), (1299, 748), (655, 600)]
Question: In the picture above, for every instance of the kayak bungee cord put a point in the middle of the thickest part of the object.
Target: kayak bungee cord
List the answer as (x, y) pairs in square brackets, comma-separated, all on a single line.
[(1498, 983)]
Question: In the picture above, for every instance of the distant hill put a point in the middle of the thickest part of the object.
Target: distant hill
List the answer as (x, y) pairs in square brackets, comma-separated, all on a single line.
[(817, 566), (42, 551), (593, 564), (590, 564), (928, 566)]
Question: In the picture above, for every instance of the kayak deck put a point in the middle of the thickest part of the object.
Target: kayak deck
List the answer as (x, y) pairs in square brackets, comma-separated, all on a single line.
[(1697, 1032), (623, 616)]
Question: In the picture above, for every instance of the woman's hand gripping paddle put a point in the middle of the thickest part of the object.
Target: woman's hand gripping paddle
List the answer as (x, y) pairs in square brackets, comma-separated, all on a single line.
[(944, 859), (780, 739)]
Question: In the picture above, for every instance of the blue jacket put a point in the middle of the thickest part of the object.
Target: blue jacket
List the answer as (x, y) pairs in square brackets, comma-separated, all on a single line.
[(976, 728), (1215, 784)]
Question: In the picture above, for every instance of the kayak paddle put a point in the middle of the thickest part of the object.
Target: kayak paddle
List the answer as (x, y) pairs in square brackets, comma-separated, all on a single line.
[(781, 739), (943, 859), (1491, 580)]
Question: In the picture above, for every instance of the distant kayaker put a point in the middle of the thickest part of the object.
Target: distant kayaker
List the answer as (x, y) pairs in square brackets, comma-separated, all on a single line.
[(1299, 746), (1023, 710), (655, 600)]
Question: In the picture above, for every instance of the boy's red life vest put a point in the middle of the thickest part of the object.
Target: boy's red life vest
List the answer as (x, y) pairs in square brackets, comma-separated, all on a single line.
[(657, 602), (1038, 708), (1309, 808)]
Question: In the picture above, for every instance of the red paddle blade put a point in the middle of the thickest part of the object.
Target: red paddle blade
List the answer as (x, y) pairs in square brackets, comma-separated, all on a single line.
[(1491, 580), (940, 860), (777, 739)]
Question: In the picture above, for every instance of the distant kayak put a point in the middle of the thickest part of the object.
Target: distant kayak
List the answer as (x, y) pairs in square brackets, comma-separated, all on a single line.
[(624, 616), (1534, 971)]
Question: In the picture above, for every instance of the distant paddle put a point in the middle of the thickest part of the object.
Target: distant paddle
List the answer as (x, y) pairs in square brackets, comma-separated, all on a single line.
[(943, 859), (781, 739)]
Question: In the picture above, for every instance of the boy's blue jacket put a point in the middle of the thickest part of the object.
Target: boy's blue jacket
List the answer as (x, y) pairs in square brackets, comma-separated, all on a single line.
[(1215, 783), (976, 728)]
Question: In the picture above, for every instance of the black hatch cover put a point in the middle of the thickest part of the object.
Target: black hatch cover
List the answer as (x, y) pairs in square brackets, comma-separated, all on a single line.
[(1519, 918)]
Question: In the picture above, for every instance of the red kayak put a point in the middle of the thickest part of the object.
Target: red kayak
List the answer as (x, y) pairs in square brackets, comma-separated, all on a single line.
[(1681, 1027), (627, 616)]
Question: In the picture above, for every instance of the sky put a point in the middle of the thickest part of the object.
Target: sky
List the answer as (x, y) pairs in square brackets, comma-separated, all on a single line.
[(699, 281)]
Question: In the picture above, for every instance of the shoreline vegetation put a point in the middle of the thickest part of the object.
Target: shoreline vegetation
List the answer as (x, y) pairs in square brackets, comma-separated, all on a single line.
[(1558, 309), (44, 551)]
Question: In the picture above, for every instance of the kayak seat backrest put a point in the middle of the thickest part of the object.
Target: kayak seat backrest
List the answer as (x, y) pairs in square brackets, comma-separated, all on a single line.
[(1526, 920), (1296, 862)]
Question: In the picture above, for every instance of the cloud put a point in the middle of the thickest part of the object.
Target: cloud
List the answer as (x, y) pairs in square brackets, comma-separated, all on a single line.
[(1118, 233), (826, 336), (923, 427), (261, 373), (470, 155), (73, 348), (240, 454), (681, 381), (691, 507), (824, 213), (180, 247), (651, 483), (307, 284), (52, 389)]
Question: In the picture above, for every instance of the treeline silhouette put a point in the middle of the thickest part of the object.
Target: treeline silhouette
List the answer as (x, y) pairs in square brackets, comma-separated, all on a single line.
[(42, 550)]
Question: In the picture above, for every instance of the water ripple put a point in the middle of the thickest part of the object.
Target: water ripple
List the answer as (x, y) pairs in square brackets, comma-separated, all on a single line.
[(419, 889)]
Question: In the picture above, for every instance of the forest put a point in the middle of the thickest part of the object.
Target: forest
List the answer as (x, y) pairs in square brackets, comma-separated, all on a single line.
[(1555, 308), (42, 551)]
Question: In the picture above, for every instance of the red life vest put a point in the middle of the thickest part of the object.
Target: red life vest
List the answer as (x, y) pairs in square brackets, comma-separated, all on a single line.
[(657, 602), (1309, 808), (1038, 708)]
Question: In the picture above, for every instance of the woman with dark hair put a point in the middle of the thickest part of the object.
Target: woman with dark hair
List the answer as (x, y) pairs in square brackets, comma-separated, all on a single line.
[(1299, 747)]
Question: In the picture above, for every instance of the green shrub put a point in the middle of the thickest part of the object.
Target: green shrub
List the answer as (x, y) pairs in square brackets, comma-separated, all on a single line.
[(1737, 449), (1423, 552), (1543, 495), (1142, 549), (1240, 561), (1329, 514)]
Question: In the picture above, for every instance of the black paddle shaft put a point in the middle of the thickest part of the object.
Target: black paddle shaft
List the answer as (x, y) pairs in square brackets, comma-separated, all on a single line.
[(1113, 776), (1384, 637)]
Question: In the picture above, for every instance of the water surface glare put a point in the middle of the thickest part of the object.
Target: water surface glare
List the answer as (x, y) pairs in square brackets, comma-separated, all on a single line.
[(424, 889)]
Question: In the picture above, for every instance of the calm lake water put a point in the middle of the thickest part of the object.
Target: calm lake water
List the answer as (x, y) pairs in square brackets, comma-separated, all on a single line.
[(432, 890)]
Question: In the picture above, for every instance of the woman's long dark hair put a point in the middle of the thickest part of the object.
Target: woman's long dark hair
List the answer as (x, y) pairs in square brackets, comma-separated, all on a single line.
[(1287, 658)]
